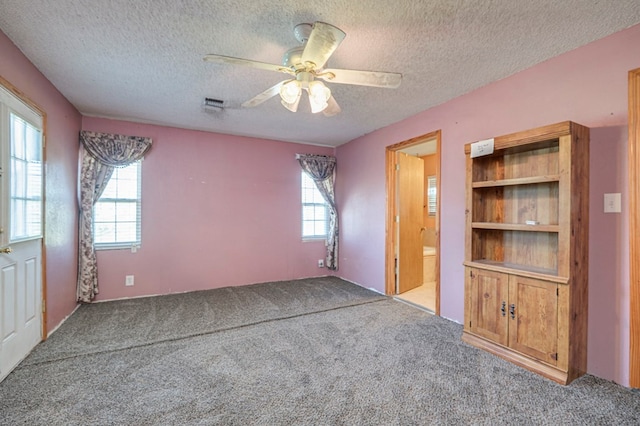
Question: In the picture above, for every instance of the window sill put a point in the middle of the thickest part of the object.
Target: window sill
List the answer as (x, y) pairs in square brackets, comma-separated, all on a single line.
[(314, 239), (133, 247)]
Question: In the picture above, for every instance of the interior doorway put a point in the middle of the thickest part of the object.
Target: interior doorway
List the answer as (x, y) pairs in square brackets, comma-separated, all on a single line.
[(413, 242)]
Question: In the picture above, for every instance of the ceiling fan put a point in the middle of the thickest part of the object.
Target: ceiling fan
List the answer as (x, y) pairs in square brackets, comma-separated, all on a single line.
[(305, 64)]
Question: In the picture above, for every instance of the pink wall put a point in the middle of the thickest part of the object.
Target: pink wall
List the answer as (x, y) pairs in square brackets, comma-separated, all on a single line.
[(63, 125), (217, 210), (587, 85), (608, 256)]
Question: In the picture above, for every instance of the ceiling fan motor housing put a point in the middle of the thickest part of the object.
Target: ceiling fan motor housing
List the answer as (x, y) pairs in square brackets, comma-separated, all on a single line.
[(302, 32), (293, 58)]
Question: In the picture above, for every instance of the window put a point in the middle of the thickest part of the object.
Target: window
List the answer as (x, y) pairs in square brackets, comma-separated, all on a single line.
[(315, 213), (26, 180), (21, 167), (431, 194), (116, 214)]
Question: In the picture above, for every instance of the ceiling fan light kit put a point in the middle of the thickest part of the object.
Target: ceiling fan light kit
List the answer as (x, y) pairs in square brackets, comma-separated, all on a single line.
[(291, 91), (306, 63)]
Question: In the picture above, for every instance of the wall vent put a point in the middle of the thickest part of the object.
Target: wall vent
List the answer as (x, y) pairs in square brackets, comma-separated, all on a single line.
[(212, 104)]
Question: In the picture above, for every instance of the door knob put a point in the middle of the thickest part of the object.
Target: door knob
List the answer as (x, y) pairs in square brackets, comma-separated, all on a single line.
[(6, 250)]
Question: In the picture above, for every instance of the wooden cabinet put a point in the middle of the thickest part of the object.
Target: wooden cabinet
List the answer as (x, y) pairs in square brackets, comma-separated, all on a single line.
[(526, 250), (514, 311)]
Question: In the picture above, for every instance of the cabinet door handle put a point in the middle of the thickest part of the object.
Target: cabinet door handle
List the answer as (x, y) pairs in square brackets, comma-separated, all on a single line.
[(503, 309), (512, 311)]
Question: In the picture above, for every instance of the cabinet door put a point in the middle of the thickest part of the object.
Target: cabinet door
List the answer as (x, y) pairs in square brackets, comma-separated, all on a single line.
[(533, 318), (488, 304)]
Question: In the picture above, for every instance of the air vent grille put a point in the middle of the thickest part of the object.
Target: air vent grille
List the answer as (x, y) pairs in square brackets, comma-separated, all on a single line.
[(211, 103)]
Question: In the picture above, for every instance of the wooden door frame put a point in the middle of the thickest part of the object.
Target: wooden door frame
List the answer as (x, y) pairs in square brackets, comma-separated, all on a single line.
[(634, 227), (390, 233), (43, 280)]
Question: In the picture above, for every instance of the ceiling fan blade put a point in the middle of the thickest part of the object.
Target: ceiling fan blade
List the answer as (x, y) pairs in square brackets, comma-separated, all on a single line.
[(332, 108), (323, 41), (267, 94), (219, 59), (389, 80)]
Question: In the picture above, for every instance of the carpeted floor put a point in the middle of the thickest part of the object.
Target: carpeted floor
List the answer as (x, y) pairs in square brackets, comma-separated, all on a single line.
[(317, 351)]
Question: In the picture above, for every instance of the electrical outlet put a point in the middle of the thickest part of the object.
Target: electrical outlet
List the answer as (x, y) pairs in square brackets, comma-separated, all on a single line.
[(128, 280), (320, 263)]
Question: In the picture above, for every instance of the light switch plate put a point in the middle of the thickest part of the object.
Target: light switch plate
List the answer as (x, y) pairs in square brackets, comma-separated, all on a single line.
[(613, 203)]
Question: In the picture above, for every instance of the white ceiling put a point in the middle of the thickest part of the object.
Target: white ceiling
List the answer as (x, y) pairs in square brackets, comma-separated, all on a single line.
[(142, 60)]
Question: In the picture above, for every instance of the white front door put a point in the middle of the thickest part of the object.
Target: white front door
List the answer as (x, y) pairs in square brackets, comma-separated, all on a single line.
[(21, 230)]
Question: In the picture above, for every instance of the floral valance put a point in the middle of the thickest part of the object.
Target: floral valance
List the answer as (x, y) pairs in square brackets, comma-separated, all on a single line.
[(319, 167), (115, 150)]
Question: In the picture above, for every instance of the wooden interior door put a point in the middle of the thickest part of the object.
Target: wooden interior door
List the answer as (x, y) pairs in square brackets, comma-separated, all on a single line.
[(533, 318), (488, 304), (410, 190)]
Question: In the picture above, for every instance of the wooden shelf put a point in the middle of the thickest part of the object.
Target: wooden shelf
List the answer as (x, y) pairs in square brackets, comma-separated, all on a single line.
[(516, 181), (521, 270), (526, 286), (515, 227)]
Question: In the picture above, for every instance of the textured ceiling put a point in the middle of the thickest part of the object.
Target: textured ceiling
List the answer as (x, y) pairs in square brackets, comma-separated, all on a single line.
[(142, 60)]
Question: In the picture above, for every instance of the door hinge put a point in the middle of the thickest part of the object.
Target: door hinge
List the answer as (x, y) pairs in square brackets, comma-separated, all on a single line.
[(397, 166), (469, 324), (557, 291), (471, 274), (44, 307), (398, 219), (554, 356)]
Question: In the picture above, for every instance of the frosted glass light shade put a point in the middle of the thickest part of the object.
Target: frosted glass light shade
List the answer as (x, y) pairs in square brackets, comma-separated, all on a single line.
[(291, 91), (293, 107), (319, 94)]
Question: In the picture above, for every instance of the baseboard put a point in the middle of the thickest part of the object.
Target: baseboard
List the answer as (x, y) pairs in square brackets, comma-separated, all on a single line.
[(50, 332), (516, 358)]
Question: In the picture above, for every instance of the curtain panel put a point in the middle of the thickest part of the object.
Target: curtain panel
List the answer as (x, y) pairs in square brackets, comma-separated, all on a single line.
[(322, 169), (100, 153)]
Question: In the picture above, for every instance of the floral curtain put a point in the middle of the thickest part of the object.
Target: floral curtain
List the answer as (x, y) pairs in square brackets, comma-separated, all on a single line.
[(100, 153), (322, 169)]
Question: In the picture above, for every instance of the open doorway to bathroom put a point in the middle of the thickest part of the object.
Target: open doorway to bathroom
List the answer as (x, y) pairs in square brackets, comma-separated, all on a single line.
[(413, 221)]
